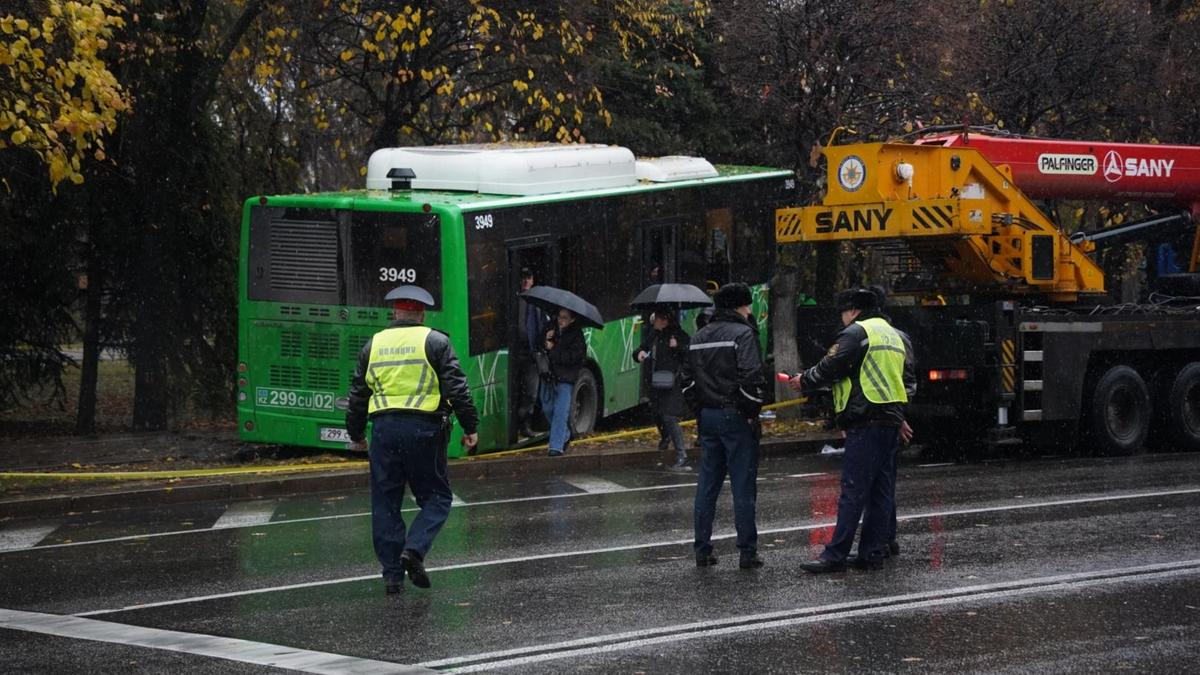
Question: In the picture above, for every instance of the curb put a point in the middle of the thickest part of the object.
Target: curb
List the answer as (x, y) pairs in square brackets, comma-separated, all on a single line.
[(503, 467)]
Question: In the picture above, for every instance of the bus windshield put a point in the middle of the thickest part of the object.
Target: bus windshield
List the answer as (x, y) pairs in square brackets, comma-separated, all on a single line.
[(392, 249)]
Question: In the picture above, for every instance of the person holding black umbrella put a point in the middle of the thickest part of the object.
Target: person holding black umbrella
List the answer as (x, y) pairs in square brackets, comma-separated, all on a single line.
[(566, 348), (661, 354)]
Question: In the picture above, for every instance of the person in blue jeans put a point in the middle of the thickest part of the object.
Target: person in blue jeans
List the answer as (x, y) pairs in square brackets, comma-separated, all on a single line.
[(723, 381), (869, 368), (567, 349)]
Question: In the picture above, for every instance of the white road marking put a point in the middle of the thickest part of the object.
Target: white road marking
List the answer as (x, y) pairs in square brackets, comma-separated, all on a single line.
[(635, 547), (455, 500), (359, 514), (25, 536), (593, 484), (805, 475), (805, 615), (246, 514), (230, 649), (928, 466)]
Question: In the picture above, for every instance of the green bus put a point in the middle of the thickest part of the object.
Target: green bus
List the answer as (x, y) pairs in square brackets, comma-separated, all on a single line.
[(592, 219)]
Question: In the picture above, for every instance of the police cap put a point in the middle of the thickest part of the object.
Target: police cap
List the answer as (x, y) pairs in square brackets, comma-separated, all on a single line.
[(863, 299), (411, 293)]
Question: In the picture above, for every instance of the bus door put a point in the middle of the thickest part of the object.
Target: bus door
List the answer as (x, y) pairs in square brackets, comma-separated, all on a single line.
[(532, 255), (658, 267), (658, 253)]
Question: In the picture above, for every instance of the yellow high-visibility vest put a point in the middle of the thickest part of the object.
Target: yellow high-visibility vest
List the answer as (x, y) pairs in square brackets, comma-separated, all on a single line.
[(399, 374), (881, 375)]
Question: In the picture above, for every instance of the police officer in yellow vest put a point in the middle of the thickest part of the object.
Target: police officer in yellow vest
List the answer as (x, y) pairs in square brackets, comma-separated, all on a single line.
[(866, 368), (407, 381)]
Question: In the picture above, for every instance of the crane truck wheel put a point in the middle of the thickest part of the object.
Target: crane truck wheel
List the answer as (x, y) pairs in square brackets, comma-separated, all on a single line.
[(585, 404), (1183, 408), (1120, 412)]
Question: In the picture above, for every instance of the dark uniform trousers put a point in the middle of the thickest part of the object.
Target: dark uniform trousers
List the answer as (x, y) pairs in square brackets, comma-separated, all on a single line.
[(868, 491), (727, 446), (410, 449)]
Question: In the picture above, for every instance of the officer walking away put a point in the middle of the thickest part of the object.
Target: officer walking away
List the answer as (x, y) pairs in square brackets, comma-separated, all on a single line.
[(407, 381), (723, 381), (866, 367)]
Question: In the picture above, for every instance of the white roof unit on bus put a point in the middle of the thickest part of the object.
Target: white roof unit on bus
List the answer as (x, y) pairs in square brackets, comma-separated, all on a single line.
[(673, 168), (506, 169)]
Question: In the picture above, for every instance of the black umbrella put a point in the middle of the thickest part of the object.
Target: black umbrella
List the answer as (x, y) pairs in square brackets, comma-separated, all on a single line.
[(552, 299), (681, 296)]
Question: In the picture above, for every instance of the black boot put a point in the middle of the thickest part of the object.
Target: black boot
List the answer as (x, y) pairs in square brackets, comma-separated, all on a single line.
[(393, 585), (414, 565)]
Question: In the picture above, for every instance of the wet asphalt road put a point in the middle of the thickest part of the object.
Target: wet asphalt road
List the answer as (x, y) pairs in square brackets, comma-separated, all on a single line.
[(1048, 565)]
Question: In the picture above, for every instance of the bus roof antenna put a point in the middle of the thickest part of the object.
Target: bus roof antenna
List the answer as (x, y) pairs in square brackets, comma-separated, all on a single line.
[(402, 179)]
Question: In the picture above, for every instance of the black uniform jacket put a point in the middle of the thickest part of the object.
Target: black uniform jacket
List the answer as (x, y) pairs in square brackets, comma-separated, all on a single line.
[(452, 382), (724, 367), (844, 360), (569, 351)]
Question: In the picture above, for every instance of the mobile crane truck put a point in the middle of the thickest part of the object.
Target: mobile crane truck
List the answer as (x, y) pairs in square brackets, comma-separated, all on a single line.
[(1028, 347)]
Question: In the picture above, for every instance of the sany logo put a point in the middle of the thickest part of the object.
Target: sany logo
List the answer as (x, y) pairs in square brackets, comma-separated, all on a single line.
[(1115, 167)]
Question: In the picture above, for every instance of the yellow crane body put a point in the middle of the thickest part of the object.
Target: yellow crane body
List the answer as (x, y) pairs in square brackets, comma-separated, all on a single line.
[(955, 212)]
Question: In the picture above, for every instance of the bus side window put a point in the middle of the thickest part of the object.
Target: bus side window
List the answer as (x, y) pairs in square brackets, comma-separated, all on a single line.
[(486, 294)]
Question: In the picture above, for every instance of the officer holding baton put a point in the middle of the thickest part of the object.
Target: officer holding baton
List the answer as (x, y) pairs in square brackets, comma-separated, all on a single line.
[(867, 369)]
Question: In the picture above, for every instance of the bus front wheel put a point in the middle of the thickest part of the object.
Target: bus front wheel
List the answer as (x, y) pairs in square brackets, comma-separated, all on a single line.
[(585, 404)]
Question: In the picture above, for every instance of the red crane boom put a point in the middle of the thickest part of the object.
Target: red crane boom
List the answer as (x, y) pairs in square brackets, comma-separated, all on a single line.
[(1060, 169)]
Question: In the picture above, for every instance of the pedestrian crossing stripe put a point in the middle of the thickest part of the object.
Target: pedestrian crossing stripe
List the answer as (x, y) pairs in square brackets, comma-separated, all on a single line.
[(17, 537)]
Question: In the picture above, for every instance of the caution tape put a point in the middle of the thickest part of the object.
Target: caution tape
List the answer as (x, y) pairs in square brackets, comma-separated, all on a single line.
[(326, 466), (616, 435), (184, 473)]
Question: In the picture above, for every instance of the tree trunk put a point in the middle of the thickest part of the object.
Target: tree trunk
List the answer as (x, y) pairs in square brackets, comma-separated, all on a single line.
[(85, 415), (783, 322), (155, 329)]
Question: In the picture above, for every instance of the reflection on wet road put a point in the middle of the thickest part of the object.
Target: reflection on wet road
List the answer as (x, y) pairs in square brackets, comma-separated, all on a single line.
[(1058, 564)]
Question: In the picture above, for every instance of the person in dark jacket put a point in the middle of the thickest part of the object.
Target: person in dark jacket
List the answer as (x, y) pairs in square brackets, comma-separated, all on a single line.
[(867, 368), (663, 350), (407, 381), (723, 382), (906, 431), (530, 320), (567, 349)]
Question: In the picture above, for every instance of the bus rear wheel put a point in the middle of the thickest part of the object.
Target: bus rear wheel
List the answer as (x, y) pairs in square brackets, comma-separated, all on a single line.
[(585, 404), (1183, 408), (1120, 412)]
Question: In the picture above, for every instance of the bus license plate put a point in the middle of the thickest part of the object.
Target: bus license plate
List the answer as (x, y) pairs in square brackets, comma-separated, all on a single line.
[(335, 434)]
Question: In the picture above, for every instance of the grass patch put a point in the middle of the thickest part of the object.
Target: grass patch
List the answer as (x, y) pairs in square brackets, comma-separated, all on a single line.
[(43, 413)]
